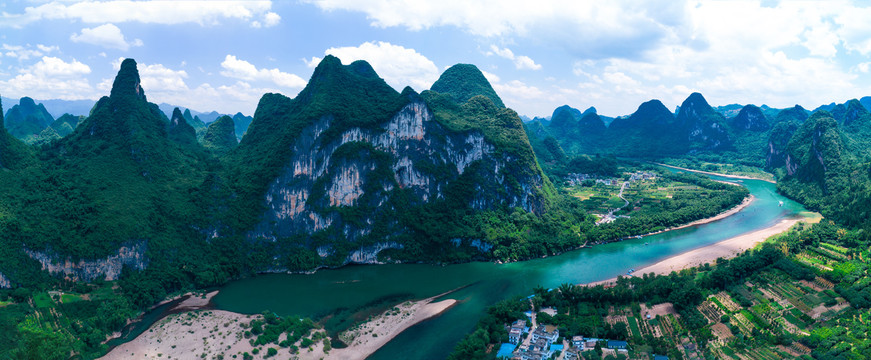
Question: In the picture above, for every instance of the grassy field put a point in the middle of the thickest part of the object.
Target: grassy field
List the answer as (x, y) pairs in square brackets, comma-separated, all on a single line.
[(71, 298), (42, 301), (643, 195)]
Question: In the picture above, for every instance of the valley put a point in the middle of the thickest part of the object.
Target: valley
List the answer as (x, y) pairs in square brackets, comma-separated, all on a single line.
[(396, 179), (349, 209)]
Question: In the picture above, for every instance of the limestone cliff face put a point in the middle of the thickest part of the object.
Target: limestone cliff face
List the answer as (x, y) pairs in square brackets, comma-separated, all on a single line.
[(109, 269), (777, 143), (321, 177), (4, 282), (703, 124)]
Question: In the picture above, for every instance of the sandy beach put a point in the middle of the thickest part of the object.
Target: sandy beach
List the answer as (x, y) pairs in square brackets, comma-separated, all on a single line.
[(749, 199), (216, 332), (365, 339), (726, 249), (188, 335), (717, 174)]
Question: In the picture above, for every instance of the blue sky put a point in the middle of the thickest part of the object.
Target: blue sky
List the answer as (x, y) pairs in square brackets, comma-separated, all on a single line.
[(223, 55)]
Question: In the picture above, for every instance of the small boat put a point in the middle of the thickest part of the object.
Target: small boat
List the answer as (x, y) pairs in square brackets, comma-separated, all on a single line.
[(781, 204), (645, 243)]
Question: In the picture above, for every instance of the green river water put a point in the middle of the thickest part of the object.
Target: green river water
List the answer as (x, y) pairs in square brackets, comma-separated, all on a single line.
[(355, 292)]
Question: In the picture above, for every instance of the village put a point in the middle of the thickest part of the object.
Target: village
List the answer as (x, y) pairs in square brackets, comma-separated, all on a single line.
[(529, 340), (574, 179)]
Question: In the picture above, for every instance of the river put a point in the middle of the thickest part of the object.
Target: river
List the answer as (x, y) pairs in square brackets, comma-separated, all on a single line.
[(355, 292)]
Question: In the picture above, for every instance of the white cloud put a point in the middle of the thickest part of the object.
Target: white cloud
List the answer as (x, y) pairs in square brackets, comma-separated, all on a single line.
[(52, 66), (397, 65), (313, 62), (516, 89), (492, 78), (46, 49), (588, 28), (51, 78), (107, 36), (166, 85), (159, 77), (243, 70), (22, 52), (228, 99), (271, 19), (520, 62), (154, 12)]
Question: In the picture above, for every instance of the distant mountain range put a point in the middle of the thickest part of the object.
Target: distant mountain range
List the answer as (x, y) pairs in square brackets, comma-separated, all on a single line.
[(819, 157), (27, 118)]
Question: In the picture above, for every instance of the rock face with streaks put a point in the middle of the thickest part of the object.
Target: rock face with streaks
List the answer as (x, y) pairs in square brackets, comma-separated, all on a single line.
[(705, 127), (358, 154), (4, 282), (412, 141), (132, 255)]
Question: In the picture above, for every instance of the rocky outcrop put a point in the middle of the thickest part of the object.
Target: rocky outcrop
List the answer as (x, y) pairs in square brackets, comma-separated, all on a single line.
[(750, 118), (4, 282), (132, 255), (319, 177), (777, 143), (369, 254), (703, 125)]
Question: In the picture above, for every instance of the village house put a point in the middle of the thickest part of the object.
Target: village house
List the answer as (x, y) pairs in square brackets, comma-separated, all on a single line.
[(540, 345), (515, 333), (541, 332), (617, 344), (572, 354), (578, 342), (590, 343)]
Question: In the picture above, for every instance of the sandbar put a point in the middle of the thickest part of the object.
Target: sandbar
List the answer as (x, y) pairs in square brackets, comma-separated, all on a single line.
[(365, 339), (745, 203), (717, 174), (192, 334), (725, 249)]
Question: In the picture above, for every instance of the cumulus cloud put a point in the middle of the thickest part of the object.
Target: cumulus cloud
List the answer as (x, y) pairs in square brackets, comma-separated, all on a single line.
[(492, 78), (585, 28), (51, 78), (22, 52), (163, 84), (397, 65), (107, 36), (152, 12), (243, 70), (520, 62)]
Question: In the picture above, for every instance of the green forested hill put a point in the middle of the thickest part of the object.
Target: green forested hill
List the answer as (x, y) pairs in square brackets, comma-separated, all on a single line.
[(220, 136), (13, 153), (464, 81), (120, 159), (27, 119)]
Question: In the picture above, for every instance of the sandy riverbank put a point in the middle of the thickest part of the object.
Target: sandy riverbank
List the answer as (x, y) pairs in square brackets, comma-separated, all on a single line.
[(216, 332), (717, 174), (365, 339), (726, 249), (747, 200), (189, 335)]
